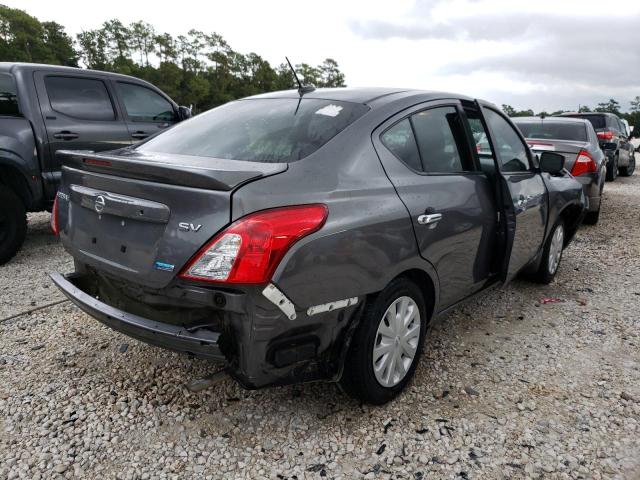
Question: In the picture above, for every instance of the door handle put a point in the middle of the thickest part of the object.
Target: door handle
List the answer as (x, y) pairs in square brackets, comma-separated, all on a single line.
[(139, 135), (430, 219), (65, 135)]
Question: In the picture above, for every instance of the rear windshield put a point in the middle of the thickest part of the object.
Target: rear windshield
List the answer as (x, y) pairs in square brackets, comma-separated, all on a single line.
[(8, 96), (259, 130), (598, 121), (554, 130)]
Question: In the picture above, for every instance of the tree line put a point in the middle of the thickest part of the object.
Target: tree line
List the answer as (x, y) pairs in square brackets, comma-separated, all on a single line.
[(198, 68), (610, 106)]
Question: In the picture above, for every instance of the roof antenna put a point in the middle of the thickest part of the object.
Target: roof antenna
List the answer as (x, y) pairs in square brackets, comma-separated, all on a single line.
[(302, 89)]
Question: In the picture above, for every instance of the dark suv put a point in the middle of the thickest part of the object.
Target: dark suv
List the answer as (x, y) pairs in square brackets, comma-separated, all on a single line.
[(46, 108), (614, 141), (303, 237)]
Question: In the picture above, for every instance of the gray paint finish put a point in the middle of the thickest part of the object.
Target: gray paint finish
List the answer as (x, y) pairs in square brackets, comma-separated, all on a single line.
[(370, 237)]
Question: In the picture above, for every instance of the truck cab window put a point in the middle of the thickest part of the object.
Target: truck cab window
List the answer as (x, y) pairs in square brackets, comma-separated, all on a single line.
[(8, 96)]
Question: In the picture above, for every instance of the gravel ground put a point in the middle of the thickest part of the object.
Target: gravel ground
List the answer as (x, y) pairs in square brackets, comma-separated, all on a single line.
[(508, 387)]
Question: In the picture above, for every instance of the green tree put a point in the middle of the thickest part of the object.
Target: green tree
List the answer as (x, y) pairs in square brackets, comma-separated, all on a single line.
[(612, 106), (584, 109), (142, 37), (60, 45), (509, 110), (93, 49), (309, 75), (196, 68), (118, 38), (24, 38), (330, 74)]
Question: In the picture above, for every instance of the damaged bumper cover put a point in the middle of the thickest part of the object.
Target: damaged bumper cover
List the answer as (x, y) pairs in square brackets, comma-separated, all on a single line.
[(253, 334), (201, 342)]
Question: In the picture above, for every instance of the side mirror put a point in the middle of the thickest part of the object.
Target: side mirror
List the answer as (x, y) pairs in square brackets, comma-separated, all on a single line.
[(184, 112), (551, 162)]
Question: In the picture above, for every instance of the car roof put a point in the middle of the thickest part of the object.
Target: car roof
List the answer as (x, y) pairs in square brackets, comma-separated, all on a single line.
[(570, 114), (548, 119), (11, 67), (363, 95)]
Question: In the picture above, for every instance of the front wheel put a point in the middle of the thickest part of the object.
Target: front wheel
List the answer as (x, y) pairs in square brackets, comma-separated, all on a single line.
[(551, 255), (628, 171), (387, 345)]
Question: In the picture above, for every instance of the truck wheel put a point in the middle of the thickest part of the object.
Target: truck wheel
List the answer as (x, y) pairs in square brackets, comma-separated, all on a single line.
[(386, 347), (612, 169), (551, 255), (13, 224), (628, 171)]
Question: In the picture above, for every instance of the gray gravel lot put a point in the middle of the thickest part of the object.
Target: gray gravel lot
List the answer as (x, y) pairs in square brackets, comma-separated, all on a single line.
[(508, 387)]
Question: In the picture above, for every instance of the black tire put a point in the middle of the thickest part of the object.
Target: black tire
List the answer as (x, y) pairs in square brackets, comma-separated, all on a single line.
[(612, 169), (628, 171), (545, 273), (591, 218), (13, 224), (358, 378)]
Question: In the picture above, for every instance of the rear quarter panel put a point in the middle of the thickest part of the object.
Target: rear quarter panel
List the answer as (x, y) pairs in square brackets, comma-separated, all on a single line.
[(368, 238)]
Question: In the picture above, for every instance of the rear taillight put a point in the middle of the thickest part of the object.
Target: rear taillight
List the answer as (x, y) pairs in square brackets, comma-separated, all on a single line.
[(584, 164), (251, 248), (605, 135), (54, 217)]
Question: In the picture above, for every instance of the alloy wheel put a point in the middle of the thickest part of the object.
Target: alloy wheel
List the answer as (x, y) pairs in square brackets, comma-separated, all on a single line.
[(396, 341), (555, 250)]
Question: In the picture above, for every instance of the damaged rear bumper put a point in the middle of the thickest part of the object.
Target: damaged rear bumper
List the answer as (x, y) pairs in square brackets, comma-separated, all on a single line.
[(202, 343), (260, 342)]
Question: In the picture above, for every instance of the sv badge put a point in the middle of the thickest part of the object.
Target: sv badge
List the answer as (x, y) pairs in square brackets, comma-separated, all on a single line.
[(188, 227)]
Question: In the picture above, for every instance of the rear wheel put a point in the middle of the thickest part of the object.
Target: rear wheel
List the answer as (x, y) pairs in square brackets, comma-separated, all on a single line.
[(387, 345), (551, 255), (591, 218), (612, 169), (13, 224), (628, 171)]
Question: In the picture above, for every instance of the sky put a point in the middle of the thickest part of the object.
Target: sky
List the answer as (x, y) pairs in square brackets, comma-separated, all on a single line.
[(541, 54)]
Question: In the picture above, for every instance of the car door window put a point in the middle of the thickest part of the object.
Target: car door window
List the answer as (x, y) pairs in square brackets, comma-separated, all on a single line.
[(144, 105), (511, 150), (399, 139), (437, 132), (82, 98)]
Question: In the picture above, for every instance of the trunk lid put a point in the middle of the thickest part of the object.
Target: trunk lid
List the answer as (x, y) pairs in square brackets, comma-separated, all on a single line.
[(567, 148), (141, 217)]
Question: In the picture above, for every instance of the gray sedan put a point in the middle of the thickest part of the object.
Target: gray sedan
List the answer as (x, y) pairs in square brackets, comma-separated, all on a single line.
[(576, 140), (311, 235)]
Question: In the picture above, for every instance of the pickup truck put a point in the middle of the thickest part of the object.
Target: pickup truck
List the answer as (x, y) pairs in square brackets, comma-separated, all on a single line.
[(46, 108)]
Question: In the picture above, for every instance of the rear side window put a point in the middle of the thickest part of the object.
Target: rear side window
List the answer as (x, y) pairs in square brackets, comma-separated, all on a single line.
[(434, 130), (555, 130), (269, 130), (82, 98), (8, 96), (400, 141), (427, 140), (144, 105), (512, 152)]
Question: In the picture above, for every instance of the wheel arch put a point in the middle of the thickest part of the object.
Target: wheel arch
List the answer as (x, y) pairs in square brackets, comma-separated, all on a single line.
[(571, 215), (14, 179)]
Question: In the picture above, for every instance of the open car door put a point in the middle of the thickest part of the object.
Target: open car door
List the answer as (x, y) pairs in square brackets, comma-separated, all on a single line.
[(521, 190)]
